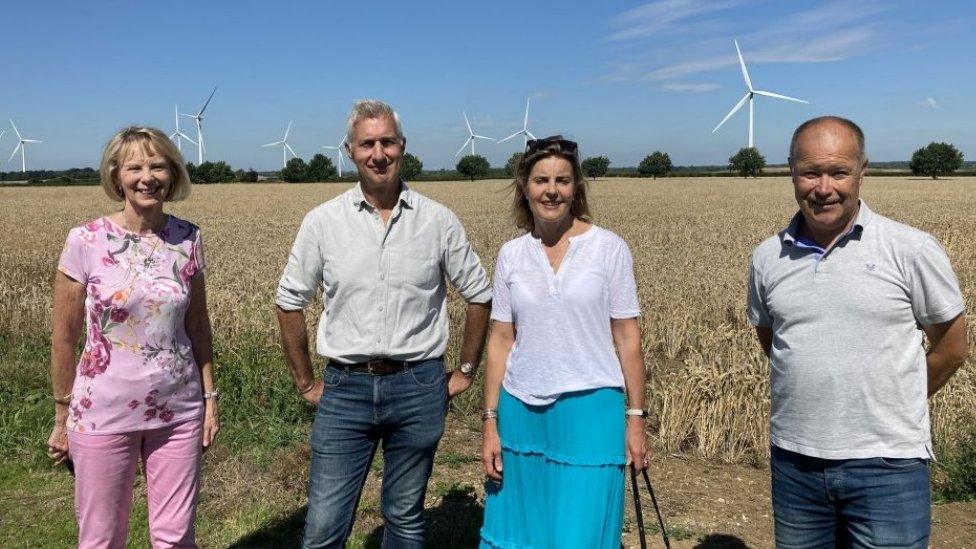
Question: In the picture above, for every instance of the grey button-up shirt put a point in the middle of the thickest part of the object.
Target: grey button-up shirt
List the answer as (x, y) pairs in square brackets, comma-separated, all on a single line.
[(383, 285)]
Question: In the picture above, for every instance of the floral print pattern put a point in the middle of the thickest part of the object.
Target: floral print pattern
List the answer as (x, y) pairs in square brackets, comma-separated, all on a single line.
[(137, 369)]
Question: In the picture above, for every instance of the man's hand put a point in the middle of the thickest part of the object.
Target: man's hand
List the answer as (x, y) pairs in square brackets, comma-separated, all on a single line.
[(457, 383), (315, 393)]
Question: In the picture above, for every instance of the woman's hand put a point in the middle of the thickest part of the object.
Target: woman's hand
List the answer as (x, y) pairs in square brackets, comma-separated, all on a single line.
[(57, 443), (636, 440), (491, 451), (211, 422)]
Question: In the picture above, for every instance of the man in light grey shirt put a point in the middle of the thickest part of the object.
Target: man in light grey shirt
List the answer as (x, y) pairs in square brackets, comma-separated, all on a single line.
[(379, 253), (841, 300)]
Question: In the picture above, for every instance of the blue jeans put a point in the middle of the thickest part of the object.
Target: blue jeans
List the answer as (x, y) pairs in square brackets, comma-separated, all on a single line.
[(358, 411), (857, 503)]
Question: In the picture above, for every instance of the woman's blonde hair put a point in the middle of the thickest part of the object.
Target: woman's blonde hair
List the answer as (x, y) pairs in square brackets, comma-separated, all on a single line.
[(152, 142), (536, 150)]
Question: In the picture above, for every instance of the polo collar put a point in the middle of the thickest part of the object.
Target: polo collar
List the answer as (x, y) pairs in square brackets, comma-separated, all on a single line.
[(358, 199), (864, 217)]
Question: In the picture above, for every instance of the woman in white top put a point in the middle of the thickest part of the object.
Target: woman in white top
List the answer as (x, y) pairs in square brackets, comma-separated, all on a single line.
[(564, 348)]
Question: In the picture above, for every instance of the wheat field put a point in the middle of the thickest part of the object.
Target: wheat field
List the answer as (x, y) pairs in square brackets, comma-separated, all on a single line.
[(691, 240)]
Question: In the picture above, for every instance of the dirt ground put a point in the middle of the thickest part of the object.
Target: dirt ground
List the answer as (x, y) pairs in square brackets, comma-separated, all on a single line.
[(706, 505)]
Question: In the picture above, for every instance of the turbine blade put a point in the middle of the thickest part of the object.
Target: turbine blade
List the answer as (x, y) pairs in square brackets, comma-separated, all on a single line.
[(462, 147), (293, 153), (288, 130), (733, 111), (527, 132), (17, 148), (483, 137), (204, 107), (778, 96), (184, 136), (742, 63), (272, 144), (468, 124), (525, 123), (32, 141), (509, 137), (15, 128)]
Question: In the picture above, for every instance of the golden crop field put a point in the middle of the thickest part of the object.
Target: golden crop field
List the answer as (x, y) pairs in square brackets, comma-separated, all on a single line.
[(691, 240)]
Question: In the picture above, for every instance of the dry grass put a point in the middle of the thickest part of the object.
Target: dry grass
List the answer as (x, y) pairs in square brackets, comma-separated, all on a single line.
[(691, 240)]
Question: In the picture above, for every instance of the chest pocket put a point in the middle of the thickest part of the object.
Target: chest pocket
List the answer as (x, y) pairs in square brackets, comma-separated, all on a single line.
[(421, 266)]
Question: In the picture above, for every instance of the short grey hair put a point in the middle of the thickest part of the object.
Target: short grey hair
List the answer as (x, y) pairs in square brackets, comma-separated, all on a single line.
[(821, 120), (371, 108)]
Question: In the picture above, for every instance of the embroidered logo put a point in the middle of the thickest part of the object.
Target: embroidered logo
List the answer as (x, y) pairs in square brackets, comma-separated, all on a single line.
[(870, 266)]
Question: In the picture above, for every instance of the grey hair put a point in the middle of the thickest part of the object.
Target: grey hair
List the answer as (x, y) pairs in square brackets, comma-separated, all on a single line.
[(371, 108), (820, 120)]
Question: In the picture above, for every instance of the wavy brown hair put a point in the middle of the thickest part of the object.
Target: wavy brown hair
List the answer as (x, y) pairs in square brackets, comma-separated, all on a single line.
[(550, 146)]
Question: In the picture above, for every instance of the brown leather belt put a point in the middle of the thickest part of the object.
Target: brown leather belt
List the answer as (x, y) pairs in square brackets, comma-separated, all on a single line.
[(379, 366)]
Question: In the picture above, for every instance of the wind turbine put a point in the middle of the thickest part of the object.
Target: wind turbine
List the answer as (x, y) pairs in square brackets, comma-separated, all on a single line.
[(750, 94), (178, 134), (285, 147), (526, 134), (338, 150), (198, 117), (471, 136), (22, 146)]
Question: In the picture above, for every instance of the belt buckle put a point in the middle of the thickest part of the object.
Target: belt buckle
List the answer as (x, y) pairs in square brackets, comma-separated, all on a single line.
[(371, 363)]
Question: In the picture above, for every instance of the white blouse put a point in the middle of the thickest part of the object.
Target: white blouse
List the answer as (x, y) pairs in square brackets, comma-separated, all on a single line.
[(563, 341)]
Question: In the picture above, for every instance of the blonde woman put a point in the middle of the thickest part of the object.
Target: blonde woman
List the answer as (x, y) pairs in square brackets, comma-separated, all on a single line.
[(563, 357), (143, 388)]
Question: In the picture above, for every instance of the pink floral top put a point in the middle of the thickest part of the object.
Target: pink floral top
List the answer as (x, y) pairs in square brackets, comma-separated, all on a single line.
[(137, 370)]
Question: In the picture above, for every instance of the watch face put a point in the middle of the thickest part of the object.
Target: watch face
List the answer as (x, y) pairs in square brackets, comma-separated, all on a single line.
[(466, 368)]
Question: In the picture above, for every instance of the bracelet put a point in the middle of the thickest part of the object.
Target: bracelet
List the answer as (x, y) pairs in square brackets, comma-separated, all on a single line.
[(66, 400), (488, 413), (636, 412), (311, 385), (207, 395)]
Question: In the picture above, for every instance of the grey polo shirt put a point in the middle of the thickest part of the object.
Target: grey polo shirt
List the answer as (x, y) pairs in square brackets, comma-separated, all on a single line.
[(849, 376), (383, 285)]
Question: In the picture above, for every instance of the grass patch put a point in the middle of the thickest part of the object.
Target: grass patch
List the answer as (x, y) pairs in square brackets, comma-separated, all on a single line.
[(955, 478)]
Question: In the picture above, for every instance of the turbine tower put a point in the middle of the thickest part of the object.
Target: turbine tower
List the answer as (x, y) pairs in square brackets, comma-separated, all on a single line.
[(22, 146), (526, 134), (471, 136), (285, 147), (180, 136), (338, 150), (198, 117), (750, 94)]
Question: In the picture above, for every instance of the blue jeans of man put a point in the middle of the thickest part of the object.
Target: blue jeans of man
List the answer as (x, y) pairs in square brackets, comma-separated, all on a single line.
[(404, 412), (857, 503)]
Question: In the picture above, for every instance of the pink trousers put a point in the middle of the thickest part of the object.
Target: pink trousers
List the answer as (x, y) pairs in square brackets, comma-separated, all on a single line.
[(105, 468)]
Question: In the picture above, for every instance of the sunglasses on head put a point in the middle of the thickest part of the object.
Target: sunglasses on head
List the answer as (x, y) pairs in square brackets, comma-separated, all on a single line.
[(565, 145)]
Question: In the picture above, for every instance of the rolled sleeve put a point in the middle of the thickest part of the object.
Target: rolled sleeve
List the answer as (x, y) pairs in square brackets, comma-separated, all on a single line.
[(462, 265), (756, 309), (623, 288), (935, 293), (303, 273)]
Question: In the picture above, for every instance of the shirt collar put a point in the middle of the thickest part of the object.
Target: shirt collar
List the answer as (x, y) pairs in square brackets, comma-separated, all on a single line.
[(864, 216), (358, 199)]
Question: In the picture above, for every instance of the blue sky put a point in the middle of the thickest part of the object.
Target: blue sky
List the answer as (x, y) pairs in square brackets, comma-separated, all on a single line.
[(623, 79)]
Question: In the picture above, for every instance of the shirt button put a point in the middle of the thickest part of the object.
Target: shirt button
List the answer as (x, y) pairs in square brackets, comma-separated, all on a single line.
[(383, 276), (381, 307)]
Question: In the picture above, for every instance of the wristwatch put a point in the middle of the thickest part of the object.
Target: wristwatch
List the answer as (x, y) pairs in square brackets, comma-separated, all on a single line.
[(467, 370)]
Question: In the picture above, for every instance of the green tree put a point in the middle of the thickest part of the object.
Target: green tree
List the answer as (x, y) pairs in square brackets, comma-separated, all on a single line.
[(473, 166), (246, 176), (295, 171), (747, 162), (192, 171), (657, 164), (410, 167), (596, 166), (213, 172), (936, 159), (320, 168), (512, 165)]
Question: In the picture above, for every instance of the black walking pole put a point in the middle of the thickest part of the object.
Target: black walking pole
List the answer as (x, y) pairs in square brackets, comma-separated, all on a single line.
[(637, 508)]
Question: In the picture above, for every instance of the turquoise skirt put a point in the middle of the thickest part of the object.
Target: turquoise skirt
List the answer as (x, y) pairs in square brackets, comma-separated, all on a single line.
[(562, 474)]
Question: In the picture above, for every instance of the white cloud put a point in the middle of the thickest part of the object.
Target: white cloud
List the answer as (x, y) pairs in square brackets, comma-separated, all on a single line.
[(662, 15), (690, 88), (931, 103)]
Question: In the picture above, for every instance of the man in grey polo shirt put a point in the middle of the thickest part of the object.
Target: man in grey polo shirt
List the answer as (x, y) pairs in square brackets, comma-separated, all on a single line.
[(841, 300), (379, 253)]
